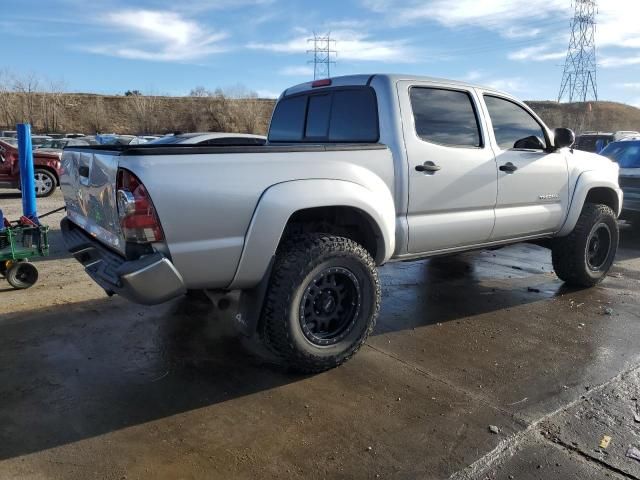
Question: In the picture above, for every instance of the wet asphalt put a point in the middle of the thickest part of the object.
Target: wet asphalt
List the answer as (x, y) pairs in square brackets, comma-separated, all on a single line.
[(96, 387)]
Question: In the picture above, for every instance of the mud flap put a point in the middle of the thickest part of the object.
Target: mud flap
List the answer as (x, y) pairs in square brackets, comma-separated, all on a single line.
[(242, 307)]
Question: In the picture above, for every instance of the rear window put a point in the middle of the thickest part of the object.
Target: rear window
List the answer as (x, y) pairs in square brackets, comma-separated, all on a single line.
[(627, 155), (339, 115)]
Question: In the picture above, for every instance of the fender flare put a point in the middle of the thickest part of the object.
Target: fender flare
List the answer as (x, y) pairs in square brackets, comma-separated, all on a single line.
[(279, 202), (586, 182)]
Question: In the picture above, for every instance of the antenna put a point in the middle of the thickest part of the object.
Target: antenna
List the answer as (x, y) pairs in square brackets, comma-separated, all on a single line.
[(579, 76), (323, 51)]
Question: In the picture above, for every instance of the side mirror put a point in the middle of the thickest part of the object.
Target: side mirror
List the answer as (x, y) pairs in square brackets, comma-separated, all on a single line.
[(564, 137), (529, 143)]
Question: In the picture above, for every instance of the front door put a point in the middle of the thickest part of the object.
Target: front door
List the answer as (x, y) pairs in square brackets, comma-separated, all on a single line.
[(452, 170), (533, 183)]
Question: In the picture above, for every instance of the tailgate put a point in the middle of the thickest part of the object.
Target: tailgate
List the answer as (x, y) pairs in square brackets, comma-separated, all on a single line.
[(88, 182)]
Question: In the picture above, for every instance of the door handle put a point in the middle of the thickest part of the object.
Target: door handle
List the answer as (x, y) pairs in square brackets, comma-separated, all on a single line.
[(428, 167), (508, 167)]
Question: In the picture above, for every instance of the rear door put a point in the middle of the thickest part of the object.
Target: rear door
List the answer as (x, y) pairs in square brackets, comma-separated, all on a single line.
[(452, 169), (533, 183)]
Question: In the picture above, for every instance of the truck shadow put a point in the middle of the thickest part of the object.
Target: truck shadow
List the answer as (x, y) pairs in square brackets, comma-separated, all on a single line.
[(76, 371), (81, 370)]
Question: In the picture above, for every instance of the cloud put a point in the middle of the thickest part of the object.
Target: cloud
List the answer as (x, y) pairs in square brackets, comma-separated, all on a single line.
[(267, 94), (538, 53), (489, 14), (512, 85), (615, 62), (160, 36), (350, 45), (507, 84), (296, 71), (630, 86), (617, 22)]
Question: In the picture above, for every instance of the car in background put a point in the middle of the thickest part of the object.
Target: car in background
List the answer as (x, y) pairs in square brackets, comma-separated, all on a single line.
[(46, 169), (596, 141), (212, 138), (37, 140), (10, 140), (8, 133), (74, 135), (115, 139), (56, 145), (626, 153)]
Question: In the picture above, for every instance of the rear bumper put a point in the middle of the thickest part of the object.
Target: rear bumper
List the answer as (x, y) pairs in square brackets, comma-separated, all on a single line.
[(150, 280)]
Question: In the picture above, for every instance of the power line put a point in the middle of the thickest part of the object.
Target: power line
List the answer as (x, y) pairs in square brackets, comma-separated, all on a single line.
[(323, 54), (579, 77)]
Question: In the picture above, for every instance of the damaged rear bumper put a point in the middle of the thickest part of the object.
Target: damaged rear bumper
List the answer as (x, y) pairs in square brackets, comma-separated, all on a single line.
[(149, 280)]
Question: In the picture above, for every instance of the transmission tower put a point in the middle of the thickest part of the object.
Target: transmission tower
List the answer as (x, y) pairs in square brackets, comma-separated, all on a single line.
[(323, 53), (579, 77)]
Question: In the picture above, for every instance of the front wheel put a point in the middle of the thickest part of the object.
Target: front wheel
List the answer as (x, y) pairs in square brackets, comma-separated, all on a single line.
[(585, 256), (45, 182), (322, 302)]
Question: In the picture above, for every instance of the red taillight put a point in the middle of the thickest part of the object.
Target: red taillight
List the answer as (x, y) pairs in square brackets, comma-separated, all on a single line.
[(138, 219), (325, 82)]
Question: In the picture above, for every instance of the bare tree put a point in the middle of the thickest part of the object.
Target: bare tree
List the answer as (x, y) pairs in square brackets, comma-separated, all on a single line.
[(94, 116), (145, 111), (8, 101), (26, 89)]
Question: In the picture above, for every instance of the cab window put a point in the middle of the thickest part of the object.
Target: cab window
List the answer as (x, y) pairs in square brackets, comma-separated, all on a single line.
[(446, 117), (512, 124)]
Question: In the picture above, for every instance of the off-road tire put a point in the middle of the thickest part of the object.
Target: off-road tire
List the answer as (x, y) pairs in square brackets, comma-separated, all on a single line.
[(22, 275), (298, 261), (570, 253)]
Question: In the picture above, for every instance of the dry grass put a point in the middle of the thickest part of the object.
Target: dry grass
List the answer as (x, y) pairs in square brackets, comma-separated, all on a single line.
[(217, 111)]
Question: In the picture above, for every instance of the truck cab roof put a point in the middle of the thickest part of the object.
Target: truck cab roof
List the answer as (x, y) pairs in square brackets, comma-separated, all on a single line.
[(366, 79)]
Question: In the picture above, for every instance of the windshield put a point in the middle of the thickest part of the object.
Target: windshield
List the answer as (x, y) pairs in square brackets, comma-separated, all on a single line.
[(626, 154)]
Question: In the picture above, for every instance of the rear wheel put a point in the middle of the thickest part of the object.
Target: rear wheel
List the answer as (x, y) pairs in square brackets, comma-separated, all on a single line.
[(585, 256), (322, 302), (22, 275), (45, 182)]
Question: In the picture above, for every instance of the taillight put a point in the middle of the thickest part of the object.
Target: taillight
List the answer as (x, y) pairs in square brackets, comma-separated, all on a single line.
[(138, 219)]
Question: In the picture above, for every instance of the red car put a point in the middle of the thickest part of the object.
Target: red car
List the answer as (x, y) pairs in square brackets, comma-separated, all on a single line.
[(46, 169)]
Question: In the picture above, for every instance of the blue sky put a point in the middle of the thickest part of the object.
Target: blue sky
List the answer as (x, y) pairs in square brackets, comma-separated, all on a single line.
[(169, 47)]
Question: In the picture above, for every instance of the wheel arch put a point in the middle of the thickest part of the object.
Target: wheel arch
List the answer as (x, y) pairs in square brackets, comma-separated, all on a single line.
[(591, 188), (299, 204)]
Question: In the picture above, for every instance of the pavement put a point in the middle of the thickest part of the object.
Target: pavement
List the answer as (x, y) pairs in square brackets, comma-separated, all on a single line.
[(482, 365)]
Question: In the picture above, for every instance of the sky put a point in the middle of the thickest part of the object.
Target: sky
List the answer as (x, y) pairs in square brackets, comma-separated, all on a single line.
[(170, 47)]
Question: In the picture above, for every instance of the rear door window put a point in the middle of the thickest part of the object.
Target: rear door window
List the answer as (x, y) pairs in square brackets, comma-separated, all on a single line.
[(346, 115), (446, 117)]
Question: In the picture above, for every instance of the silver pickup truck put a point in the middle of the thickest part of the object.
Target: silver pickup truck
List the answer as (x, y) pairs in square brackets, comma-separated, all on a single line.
[(358, 171)]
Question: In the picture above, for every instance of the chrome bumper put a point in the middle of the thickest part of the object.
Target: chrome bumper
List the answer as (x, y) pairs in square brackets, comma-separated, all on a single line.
[(149, 280)]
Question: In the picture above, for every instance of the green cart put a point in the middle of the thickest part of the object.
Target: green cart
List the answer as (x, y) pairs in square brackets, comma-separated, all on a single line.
[(18, 244)]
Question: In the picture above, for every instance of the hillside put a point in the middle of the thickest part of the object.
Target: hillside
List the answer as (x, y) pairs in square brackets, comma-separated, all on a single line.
[(216, 111), (604, 116)]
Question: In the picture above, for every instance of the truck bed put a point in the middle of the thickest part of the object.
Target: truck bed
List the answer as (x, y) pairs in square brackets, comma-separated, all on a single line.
[(206, 196)]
